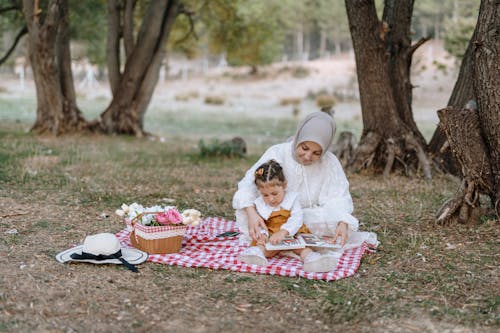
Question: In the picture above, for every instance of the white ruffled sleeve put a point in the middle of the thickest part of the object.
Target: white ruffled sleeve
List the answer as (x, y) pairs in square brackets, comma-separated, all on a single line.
[(247, 191), (294, 222)]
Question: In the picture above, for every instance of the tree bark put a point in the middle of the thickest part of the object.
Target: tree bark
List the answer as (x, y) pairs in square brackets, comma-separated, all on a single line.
[(400, 50), (113, 45), (463, 91), (390, 138), (473, 134), (128, 27), (487, 86), (49, 53), (137, 82)]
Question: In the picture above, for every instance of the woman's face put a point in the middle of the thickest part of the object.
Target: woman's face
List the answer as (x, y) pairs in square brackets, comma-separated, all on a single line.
[(308, 152)]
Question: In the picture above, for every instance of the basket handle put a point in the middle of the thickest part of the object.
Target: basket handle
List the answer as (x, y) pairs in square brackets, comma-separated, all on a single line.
[(136, 219), (139, 216)]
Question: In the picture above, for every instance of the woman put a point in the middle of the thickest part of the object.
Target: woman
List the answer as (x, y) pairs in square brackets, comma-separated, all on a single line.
[(312, 171)]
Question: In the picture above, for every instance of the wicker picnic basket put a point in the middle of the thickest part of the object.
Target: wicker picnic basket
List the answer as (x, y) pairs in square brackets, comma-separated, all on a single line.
[(155, 239)]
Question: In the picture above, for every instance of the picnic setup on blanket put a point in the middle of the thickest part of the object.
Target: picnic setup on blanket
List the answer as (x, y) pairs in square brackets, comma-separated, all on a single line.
[(214, 243), (185, 239)]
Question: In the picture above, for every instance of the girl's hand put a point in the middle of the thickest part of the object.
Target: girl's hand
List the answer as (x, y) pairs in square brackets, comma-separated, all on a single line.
[(262, 240), (341, 232), (278, 236), (255, 224)]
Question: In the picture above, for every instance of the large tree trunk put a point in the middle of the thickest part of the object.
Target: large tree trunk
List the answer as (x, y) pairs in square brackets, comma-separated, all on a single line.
[(463, 92), (474, 134), (134, 87), (398, 14), (49, 53), (390, 138), (487, 86)]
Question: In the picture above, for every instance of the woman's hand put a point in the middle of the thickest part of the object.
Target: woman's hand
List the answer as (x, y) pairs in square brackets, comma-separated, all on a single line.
[(255, 224), (341, 231), (278, 236)]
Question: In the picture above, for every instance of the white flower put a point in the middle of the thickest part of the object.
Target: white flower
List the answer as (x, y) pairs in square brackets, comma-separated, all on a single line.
[(120, 212), (191, 217), (125, 208)]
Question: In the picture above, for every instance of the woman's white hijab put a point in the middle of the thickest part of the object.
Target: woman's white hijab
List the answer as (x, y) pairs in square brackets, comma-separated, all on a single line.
[(317, 127)]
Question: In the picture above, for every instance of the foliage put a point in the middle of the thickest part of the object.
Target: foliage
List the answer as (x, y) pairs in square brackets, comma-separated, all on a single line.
[(247, 32), (217, 149), (452, 20), (459, 26), (11, 22), (88, 25)]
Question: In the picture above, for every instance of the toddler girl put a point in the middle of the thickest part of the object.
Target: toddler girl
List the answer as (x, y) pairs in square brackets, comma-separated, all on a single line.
[(282, 214)]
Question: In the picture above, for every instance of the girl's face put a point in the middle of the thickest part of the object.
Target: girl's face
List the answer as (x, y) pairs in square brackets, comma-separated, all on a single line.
[(308, 152), (272, 194)]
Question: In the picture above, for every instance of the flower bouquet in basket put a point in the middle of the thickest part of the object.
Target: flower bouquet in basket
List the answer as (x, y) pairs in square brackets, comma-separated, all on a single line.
[(157, 229)]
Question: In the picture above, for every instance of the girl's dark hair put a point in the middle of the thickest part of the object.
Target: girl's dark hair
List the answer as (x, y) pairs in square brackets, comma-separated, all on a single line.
[(269, 171)]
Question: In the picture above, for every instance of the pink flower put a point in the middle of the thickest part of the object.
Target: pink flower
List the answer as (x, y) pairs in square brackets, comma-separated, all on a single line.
[(171, 216)]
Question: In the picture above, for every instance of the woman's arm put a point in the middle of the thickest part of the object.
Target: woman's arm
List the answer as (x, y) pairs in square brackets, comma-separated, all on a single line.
[(255, 224)]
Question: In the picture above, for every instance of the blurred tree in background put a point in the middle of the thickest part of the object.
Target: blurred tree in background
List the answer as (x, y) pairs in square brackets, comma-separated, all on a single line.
[(12, 29), (242, 33), (250, 32)]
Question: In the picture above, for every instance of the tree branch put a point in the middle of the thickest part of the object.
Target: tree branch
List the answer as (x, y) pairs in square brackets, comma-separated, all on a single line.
[(128, 27), (20, 34), (420, 42), (189, 14), (9, 8)]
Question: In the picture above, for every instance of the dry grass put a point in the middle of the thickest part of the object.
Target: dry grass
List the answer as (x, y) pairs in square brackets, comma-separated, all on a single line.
[(423, 278), (215, 100), (184, 97), (290, 101), (323, 100)]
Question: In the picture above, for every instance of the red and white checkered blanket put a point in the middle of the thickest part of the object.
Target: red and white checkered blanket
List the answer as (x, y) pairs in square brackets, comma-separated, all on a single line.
[(201, 248)]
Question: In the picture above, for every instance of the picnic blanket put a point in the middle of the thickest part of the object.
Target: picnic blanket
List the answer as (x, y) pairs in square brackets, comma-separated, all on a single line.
[(202, 248)]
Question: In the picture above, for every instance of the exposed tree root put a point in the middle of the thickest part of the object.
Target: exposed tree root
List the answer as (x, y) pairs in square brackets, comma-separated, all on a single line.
[(406, 151), (412, 143), (365, 153), (392, 151), (464, 208), (344, 147)]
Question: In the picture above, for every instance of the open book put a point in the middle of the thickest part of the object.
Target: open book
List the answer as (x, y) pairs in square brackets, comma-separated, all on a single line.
[(320, 241), (288, 243), (302, 240)]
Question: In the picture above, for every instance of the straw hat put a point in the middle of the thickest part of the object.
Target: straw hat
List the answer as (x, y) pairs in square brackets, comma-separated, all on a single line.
[(103, 248)]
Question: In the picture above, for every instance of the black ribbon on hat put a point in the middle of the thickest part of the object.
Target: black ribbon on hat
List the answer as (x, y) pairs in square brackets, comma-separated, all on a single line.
[(117, 255)]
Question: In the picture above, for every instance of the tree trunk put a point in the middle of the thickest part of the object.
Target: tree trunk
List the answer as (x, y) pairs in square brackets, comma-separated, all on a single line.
[(463, 92), (128, 27), (398, 14), (487, 86), (136, 84), (49, 53), (322, 44), (390, 138), (473, 134), (113, 45)]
